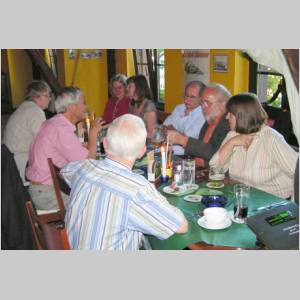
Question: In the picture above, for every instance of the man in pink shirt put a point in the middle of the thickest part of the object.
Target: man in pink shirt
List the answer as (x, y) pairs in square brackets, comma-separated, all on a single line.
[(57, 140)]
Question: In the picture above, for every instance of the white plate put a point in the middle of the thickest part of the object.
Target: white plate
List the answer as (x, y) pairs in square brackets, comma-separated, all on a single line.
[(212, 185), (182, 190), (138, 171), (193, 198), (202, 222)]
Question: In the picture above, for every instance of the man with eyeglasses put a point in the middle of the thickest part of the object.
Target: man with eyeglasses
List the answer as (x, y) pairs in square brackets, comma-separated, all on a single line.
[(25, 122), (214, 98), (187, 118)]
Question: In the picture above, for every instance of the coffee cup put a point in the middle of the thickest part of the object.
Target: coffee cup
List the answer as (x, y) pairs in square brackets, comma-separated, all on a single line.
[(215, 216)]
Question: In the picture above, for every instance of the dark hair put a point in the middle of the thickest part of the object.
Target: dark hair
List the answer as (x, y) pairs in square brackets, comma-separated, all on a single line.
[(142, 89), (248, 112)]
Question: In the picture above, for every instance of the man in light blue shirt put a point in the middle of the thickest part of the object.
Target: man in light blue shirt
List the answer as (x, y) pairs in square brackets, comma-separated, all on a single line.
[(187, 118)]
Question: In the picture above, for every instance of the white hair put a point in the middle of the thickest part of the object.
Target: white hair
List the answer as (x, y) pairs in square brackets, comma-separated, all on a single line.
[(67, 96), (126, 137), (222, 92)]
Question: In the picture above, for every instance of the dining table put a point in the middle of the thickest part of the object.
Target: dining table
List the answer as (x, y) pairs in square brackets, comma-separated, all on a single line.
[(236, 236)]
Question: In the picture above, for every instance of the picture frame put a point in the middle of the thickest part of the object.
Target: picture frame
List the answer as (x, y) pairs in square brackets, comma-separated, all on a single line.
[(221, 63)]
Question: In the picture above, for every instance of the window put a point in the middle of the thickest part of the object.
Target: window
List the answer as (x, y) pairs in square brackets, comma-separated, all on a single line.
[(150, 62)]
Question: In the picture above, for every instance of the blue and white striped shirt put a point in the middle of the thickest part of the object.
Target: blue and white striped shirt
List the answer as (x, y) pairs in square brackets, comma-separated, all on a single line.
[(111, 207)]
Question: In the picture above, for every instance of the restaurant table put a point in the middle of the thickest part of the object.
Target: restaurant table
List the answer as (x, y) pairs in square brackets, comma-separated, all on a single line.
[(236, 235)]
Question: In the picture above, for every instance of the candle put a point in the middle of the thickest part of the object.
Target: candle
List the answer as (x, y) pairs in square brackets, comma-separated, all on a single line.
[(88, 125), (163, 161)]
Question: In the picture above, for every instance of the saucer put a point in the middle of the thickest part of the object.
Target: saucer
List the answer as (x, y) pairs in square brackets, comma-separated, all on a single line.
[(202, 222), (215, 185), (193, 198), (181, 190)]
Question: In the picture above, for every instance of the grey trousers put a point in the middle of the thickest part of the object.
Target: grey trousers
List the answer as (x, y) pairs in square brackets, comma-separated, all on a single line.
[(44, 198)]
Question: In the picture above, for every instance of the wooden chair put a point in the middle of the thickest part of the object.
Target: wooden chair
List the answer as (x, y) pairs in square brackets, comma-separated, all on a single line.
[(47, 235), (59, 186)]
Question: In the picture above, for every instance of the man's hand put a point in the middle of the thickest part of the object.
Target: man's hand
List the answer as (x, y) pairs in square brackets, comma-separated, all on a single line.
[(176, 138), (96, 126)]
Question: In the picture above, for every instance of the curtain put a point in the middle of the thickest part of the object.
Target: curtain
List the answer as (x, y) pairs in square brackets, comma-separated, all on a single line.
[(275, 59)]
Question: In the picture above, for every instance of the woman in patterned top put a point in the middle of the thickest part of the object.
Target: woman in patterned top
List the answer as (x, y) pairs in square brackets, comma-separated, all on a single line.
[(141, 105), (253, 152)]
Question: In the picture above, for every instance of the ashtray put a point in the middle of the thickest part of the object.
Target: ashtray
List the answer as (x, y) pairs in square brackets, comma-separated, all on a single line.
[(214, 201)]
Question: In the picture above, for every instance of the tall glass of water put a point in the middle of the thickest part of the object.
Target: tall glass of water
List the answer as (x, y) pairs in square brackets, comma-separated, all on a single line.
[(188, 171)]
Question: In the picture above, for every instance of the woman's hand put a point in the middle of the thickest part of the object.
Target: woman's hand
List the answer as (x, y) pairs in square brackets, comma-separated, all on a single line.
[(243, 140)]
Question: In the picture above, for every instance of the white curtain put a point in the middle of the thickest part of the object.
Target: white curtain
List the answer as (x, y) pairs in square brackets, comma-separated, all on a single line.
[(274, 58)]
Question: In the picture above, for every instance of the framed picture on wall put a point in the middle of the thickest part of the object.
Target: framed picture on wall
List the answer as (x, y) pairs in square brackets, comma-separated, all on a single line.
[(220, 63)]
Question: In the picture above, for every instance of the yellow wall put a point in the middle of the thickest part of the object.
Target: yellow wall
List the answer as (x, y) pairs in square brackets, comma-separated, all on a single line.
[(237, 76), (174, 79), (20, 74), (124, 62), (91, 78)]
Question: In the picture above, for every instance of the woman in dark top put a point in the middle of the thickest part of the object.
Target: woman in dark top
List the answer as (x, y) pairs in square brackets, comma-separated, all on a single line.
[(141, 105), (118, 104)]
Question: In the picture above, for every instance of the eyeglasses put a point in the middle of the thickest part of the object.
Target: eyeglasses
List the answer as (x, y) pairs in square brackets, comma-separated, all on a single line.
[(46, 95), (207, 103), (190, 97)]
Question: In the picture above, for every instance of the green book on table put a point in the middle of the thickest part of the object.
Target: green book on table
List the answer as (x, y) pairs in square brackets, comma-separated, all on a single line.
[(277, 228)]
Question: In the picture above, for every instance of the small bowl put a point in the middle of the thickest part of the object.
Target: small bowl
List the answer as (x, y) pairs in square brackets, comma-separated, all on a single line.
[(214, 201)]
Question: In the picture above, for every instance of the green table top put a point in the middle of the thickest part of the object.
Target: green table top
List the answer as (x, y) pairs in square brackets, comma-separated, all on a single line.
[(237, 235)]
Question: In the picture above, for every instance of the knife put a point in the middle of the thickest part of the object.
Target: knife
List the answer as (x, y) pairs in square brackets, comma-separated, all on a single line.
[(270, 206)]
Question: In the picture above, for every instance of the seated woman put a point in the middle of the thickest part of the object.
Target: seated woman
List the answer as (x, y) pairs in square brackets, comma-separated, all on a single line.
[(118, 104), (253, 152), (141, 105)]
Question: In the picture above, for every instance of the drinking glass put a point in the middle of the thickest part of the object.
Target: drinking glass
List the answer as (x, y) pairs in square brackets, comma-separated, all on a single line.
[(159, 136), (216, 174), (242, 193), (188, 170)]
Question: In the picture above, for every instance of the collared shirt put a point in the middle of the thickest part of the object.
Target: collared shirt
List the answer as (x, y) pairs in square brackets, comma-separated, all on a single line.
[(268, 164), (207, 136), (111, 207), (115, 108), (189, 125), (57, 140), (20, 130)]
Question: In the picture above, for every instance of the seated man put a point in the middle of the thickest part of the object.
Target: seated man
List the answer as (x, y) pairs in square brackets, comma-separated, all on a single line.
[(57, 140), (25, 122), (214, 130), (187, 118), (111, 207)]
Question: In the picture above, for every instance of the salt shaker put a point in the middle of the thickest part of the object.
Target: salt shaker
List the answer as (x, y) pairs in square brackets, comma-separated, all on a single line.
[(177, 176)]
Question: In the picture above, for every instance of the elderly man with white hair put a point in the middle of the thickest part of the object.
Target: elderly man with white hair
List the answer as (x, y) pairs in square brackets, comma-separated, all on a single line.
[(111, 207), (57, 140)]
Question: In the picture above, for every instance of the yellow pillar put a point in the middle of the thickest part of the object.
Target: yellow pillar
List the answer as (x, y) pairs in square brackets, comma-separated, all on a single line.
[(174, 78), (124, 62), (236, 79), (20, 74), (91, 78)]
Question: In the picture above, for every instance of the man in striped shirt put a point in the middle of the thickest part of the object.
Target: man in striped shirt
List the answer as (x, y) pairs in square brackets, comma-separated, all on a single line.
[(111, 208)]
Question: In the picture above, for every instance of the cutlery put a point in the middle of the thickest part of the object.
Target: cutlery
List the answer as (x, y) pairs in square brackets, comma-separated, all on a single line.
[(270, 206)]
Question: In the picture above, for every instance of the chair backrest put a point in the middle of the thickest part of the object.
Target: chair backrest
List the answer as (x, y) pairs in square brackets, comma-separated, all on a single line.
[(55, 178), (47, 236)]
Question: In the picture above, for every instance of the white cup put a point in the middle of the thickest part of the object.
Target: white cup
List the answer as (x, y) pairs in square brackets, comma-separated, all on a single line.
[(215, 215)]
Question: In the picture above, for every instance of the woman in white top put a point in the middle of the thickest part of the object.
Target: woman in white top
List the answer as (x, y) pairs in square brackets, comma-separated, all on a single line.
[(26, 121), (253, 152)]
